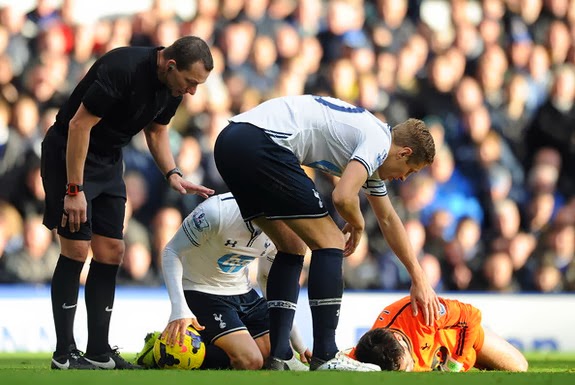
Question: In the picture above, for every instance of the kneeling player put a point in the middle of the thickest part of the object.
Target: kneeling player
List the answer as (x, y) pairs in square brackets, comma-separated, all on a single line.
[(455, 342), (205, 268)]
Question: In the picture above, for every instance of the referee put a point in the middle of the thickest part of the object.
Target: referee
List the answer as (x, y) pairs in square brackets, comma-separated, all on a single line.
[(128, 89)]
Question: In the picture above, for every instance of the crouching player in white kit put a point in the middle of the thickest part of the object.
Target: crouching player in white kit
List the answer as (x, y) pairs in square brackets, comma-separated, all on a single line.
[(205, 268)]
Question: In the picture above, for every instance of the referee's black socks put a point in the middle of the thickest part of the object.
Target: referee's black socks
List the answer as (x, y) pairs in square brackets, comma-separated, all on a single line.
[(100, 290), (64, 294)]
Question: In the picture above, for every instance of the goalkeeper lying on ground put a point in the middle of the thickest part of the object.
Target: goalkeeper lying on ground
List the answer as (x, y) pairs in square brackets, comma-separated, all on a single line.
[(456, 342)]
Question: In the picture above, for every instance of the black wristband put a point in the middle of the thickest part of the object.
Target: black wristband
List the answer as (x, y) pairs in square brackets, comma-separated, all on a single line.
[(173, 171)]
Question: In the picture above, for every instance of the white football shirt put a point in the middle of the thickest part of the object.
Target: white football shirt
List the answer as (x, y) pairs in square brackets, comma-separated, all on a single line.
[(211, 252), (325, 133)]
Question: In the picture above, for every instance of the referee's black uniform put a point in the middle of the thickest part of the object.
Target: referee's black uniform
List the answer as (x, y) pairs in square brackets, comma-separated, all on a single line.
[(124, 90)]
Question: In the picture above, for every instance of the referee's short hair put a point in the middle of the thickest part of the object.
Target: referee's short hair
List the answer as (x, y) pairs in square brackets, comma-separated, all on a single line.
[(187, 50)]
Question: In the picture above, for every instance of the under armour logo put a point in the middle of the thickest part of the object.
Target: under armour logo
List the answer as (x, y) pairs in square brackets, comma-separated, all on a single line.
[(218, 317), (316, 194), (231, 243)]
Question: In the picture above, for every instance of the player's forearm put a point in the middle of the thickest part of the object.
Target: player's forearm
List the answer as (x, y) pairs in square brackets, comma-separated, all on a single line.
[(349, 209), (172, 271), (76, 151), (396, 236), (159, 145)]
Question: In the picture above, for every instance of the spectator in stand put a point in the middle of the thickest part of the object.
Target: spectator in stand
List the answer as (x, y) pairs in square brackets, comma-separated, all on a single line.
[(432, 267), (8, 90), (558, 41), (343, 17), (389, 25), (539, 76), (12, 146), (263, 70), (491, 69), (548, 278), (436, 93), (392, 274), (13, 224), (454, 192), (512, 117), (18, 48), (553, 126), (164, 225), (507, 219), (28, 196), (36, 260), (498, 274), (360, 270)]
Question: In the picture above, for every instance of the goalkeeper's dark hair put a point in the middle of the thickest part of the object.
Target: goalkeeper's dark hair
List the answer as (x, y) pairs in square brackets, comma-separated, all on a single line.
[(380, 347), (190, 49)]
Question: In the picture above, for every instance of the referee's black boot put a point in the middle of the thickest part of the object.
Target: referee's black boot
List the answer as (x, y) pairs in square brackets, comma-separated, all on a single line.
[(111, 360), (74, 359)]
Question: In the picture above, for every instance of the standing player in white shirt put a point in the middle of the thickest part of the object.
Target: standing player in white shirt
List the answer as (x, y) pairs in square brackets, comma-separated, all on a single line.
[(259, 155), (205, 268)]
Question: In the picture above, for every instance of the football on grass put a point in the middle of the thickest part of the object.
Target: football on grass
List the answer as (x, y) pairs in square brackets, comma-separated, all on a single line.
[(189, 355)]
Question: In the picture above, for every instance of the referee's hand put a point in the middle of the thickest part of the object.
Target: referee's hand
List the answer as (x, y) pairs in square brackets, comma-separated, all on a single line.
[(186, 187), (75, 208)]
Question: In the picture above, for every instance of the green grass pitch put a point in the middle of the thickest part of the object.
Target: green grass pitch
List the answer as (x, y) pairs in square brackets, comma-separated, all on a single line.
[(545, 369)]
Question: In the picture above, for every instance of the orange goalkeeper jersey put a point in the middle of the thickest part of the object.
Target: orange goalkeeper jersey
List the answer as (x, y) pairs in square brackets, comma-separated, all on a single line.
[(457, 332)]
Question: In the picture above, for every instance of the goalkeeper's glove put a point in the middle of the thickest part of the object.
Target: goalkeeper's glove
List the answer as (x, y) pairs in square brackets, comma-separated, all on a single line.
[(451, 365)]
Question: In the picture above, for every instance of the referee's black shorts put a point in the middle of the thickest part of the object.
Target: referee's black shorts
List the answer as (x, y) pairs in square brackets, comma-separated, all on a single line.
[(103, 186), (265, 178)]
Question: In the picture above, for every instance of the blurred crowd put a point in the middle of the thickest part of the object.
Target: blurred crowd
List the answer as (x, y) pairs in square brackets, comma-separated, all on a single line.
[(493, 79)]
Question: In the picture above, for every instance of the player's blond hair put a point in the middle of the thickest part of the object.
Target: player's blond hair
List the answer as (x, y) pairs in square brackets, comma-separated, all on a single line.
[(413, 133)]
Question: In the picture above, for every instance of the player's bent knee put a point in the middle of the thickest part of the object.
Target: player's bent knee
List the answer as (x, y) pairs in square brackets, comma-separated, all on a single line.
[(248, 361)]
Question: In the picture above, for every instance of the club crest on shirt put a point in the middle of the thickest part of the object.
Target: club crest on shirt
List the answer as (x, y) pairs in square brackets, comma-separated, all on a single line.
[(267, 244), (200, 221), (442, 309)]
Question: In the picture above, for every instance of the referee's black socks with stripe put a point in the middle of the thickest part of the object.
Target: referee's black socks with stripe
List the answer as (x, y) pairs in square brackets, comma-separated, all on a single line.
[(64, 293), (325, 289), (282, 294), (99, 293)]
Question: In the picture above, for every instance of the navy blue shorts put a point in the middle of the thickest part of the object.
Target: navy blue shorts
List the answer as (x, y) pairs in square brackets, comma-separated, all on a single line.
[(103, 186), (265, 178), (225, 314)]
